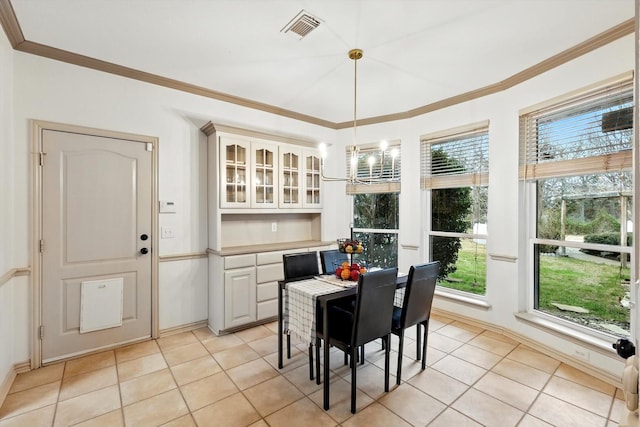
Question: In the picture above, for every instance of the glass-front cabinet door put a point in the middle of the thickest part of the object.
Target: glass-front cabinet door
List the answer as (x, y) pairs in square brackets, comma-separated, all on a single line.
[(234, 168), (265, 175), (290, 177), (311, 197)]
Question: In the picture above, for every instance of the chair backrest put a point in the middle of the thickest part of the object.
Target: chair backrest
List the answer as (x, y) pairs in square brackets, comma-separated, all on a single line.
[(374, 305), (331, 259), (418, 296), (300, 265)]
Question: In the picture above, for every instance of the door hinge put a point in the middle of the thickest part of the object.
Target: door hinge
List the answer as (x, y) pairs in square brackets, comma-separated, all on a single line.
[(41, 332), (149, 146), (42, 158), (41, 245)]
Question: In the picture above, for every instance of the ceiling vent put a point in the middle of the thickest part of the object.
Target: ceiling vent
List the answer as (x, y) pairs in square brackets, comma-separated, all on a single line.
[(301, 25)]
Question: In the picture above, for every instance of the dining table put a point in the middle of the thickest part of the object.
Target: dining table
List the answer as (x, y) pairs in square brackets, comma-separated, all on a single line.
[(300, 300)]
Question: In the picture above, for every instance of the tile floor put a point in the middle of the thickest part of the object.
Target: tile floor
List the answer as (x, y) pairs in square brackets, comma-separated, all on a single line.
[(474, 377)]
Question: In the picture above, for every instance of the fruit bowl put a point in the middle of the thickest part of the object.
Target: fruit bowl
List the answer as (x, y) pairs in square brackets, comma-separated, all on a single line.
[(350, 246), (351, 272)]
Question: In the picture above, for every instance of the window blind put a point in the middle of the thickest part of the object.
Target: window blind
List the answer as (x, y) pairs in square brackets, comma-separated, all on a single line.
[(455, 158), (585, 134), (376, 177)]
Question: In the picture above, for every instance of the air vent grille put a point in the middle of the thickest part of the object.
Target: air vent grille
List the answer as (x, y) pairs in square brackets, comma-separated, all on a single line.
[(301, 25)]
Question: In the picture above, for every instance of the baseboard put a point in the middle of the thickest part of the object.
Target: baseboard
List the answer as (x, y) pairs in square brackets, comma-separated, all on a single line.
[(183, 328), (542, 348), (6, 384)]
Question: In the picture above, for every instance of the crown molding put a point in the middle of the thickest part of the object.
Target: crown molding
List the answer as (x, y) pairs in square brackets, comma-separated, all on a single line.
[(12, 29)]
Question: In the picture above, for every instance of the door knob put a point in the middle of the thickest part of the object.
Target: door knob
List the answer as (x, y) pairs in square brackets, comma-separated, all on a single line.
[(143, 237), (144, 251)]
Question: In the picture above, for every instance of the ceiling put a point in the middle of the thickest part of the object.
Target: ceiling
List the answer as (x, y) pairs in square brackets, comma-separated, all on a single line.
[(417, 53)]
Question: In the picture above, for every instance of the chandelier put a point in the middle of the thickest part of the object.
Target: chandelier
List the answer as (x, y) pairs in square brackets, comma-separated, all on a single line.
[(354, 150)]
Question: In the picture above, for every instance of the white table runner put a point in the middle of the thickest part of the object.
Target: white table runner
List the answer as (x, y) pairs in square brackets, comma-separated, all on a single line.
[(300, 306)]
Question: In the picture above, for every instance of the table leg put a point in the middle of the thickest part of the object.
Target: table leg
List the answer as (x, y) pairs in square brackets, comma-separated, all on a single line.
[(325, 329), (280, 327)]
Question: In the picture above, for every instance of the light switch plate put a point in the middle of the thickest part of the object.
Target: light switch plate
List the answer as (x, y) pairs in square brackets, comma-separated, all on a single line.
[(167, 232), (167, 207)]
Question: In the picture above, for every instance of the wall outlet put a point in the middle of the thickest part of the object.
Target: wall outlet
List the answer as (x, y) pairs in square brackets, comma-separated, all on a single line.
[(274, 226), (167, 232), (581, 353)]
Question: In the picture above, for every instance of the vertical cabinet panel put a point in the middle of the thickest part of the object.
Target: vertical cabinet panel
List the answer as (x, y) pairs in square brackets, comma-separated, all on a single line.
[(290, 176), (264, 172), (240, 296), (234, 173), (311, 196)]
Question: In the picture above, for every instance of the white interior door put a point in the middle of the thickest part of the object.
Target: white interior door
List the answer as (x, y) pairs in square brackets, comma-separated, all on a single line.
[(96, 242)]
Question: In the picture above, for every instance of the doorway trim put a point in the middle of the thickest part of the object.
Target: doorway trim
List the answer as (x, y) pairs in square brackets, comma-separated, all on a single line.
[(37, 128)]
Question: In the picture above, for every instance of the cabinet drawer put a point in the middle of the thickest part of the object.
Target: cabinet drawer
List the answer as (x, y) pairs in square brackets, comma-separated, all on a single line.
[(238, 261), (267, 291), (267, 309), (269, 273), (274, 257)]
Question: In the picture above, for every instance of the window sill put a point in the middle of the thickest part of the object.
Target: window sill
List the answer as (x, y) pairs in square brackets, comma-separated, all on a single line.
[(459, 297), (602, 343)]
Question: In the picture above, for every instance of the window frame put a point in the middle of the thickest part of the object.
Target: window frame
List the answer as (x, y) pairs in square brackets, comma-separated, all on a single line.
[(450, 180), (531, 172)]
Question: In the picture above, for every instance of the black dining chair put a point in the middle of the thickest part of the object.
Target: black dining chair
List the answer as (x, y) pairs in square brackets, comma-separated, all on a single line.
[(332, 259), (370, 319), (300, 266), (416, 308)]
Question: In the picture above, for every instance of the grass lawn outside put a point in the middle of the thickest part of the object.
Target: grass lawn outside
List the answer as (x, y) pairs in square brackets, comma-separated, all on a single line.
[(590, 284)]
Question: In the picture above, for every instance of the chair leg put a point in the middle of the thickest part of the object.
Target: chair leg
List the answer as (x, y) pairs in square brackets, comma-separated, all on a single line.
[(362, 354), (288, 346), (318, 345), (310, 361), (400, 350), (354, 367), (387, 353), (418, 347), (424, 345)]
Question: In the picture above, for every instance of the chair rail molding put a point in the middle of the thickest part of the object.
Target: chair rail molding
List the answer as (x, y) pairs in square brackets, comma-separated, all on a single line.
[(14, 272)]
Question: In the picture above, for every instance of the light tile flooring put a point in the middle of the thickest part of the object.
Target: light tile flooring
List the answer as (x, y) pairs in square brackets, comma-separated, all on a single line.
[(474, 378)]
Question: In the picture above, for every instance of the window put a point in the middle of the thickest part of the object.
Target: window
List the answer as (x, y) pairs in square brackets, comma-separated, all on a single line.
[(575, 161), (375, 204), (375, 222), (455, 169)]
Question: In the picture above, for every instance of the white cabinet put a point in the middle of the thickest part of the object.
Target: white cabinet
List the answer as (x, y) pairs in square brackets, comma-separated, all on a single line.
[(264, 175), (243, 289), (311, 161), (290, 176), (248, 173), (239, 296)]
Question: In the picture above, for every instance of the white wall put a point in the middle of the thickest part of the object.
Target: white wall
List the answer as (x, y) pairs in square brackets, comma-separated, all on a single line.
[(7, 237), (54, 91)]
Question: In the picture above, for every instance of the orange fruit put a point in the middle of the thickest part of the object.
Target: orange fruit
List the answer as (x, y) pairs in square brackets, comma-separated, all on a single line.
[(346, 274)]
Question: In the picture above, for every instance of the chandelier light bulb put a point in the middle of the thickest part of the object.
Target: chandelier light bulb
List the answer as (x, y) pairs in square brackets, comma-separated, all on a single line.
[(323, 150)]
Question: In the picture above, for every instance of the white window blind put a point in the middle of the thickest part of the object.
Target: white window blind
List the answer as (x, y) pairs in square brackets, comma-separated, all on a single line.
[(585, 134), (375, 177), (455, 158)]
